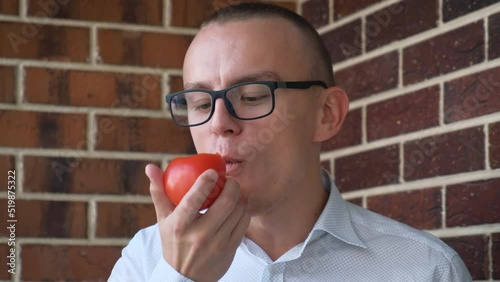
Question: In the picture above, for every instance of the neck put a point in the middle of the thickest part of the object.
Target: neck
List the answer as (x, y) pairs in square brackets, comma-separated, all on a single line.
[(289, 222)]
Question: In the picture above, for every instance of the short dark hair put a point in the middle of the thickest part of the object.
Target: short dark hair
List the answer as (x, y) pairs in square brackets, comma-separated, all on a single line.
[(250, 10)]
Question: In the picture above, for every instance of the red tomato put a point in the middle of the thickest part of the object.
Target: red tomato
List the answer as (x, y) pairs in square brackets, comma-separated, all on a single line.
[(181, 174)]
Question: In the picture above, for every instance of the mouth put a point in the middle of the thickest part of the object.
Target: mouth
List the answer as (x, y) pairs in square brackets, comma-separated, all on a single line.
[(233, 165)]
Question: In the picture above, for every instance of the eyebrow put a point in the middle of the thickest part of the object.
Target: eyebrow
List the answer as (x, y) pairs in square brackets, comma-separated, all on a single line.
[(266, 75)]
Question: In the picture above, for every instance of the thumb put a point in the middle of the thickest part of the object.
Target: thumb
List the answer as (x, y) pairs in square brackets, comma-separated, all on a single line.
[(163, 205)]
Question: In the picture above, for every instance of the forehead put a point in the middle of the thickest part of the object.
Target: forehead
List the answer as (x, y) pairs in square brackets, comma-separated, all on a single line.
[(224, 53)]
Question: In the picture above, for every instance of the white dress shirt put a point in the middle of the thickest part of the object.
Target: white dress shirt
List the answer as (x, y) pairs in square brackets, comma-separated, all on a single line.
[(347, 243)]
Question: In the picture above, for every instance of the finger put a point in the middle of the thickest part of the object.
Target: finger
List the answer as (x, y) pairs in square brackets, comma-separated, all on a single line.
[(194, 198), (240, 229), (230, 223), (223, 205), (163, 206)]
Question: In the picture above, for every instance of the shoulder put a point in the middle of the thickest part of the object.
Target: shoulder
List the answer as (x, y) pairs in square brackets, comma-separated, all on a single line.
[(378, 231)]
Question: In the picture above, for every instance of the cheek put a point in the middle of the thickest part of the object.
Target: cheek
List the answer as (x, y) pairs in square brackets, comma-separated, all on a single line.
[(200, 142)]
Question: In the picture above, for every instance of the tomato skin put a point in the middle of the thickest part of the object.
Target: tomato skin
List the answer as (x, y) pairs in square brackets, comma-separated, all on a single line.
[(181, 174)]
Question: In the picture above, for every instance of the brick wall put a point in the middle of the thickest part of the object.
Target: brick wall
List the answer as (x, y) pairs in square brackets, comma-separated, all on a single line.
[(421, 142), (82, 112)]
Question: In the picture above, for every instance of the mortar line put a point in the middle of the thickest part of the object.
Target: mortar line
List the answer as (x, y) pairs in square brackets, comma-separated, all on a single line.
[(19, 167), (490, 255), (440, 13), (91, 131), (401, 163), (167, 13), (415, 39), (91, 220), (486, 130), (443, 206), (416, 135), (93, 46), (23, 9), (87, 67), (364, 129), (441, 104), (466, 231), (395, 92), (458, 178), (19, 84), (59, 197), (102, 25), (486, 39), (70, 153)]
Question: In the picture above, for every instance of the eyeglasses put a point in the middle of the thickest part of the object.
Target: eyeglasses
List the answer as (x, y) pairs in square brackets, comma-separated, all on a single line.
[(245, 101)]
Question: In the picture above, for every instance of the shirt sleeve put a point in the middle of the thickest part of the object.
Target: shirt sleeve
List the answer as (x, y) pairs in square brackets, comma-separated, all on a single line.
[(141, 260), (455, 271)]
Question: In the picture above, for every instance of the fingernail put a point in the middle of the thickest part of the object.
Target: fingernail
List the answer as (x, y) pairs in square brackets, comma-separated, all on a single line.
[(212, 175)]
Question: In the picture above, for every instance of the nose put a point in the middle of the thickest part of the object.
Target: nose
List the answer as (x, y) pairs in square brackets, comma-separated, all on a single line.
[(222, 122)]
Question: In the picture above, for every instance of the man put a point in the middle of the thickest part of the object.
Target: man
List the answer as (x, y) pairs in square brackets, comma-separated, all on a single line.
[(278, 218)]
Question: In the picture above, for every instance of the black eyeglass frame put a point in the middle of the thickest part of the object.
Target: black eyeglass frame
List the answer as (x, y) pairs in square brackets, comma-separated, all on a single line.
[(216, 94)]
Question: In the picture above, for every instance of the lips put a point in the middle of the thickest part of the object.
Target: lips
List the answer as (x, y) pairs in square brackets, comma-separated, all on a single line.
[(233, 165)]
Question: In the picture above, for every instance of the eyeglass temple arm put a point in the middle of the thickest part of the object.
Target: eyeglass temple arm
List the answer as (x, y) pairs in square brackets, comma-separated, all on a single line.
[(301, 84)]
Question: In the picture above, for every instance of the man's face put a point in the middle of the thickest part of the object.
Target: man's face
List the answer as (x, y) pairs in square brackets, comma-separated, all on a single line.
[(268, 156)]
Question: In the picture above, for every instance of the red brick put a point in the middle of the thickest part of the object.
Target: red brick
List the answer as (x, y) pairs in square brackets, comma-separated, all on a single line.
[(349, 134), (44, 42), (122, 11), (494, 146), (7, 84), (495, 251), (378, 167), (4, 260), (85, 176), (369, 77), (400, 21), (326, 165), (450, 153), (316, 12), (344, 42), (92, 89), (453, 9), (7, 163), (10, 7), (420, 209), (123, 219), (445, 53), (343, 8), (48, 219), (41, 129), (474, 252), (403, 114), (494, 36), (176, 84), (68, 263), (357, 201), (120, 47), (145, 135), (191, 13), (473, 203), (472, 96)]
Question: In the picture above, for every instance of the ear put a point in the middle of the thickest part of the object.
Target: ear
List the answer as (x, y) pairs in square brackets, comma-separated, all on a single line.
[(332, 110)]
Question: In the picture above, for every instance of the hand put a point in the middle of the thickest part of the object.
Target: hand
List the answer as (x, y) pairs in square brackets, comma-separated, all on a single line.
[(200, 247)]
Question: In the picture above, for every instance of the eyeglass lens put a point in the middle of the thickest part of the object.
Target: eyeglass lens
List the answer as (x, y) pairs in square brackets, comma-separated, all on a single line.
[(247, 101)]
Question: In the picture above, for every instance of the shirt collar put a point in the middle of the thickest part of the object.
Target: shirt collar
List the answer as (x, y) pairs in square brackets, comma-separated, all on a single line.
[(335, 218)]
